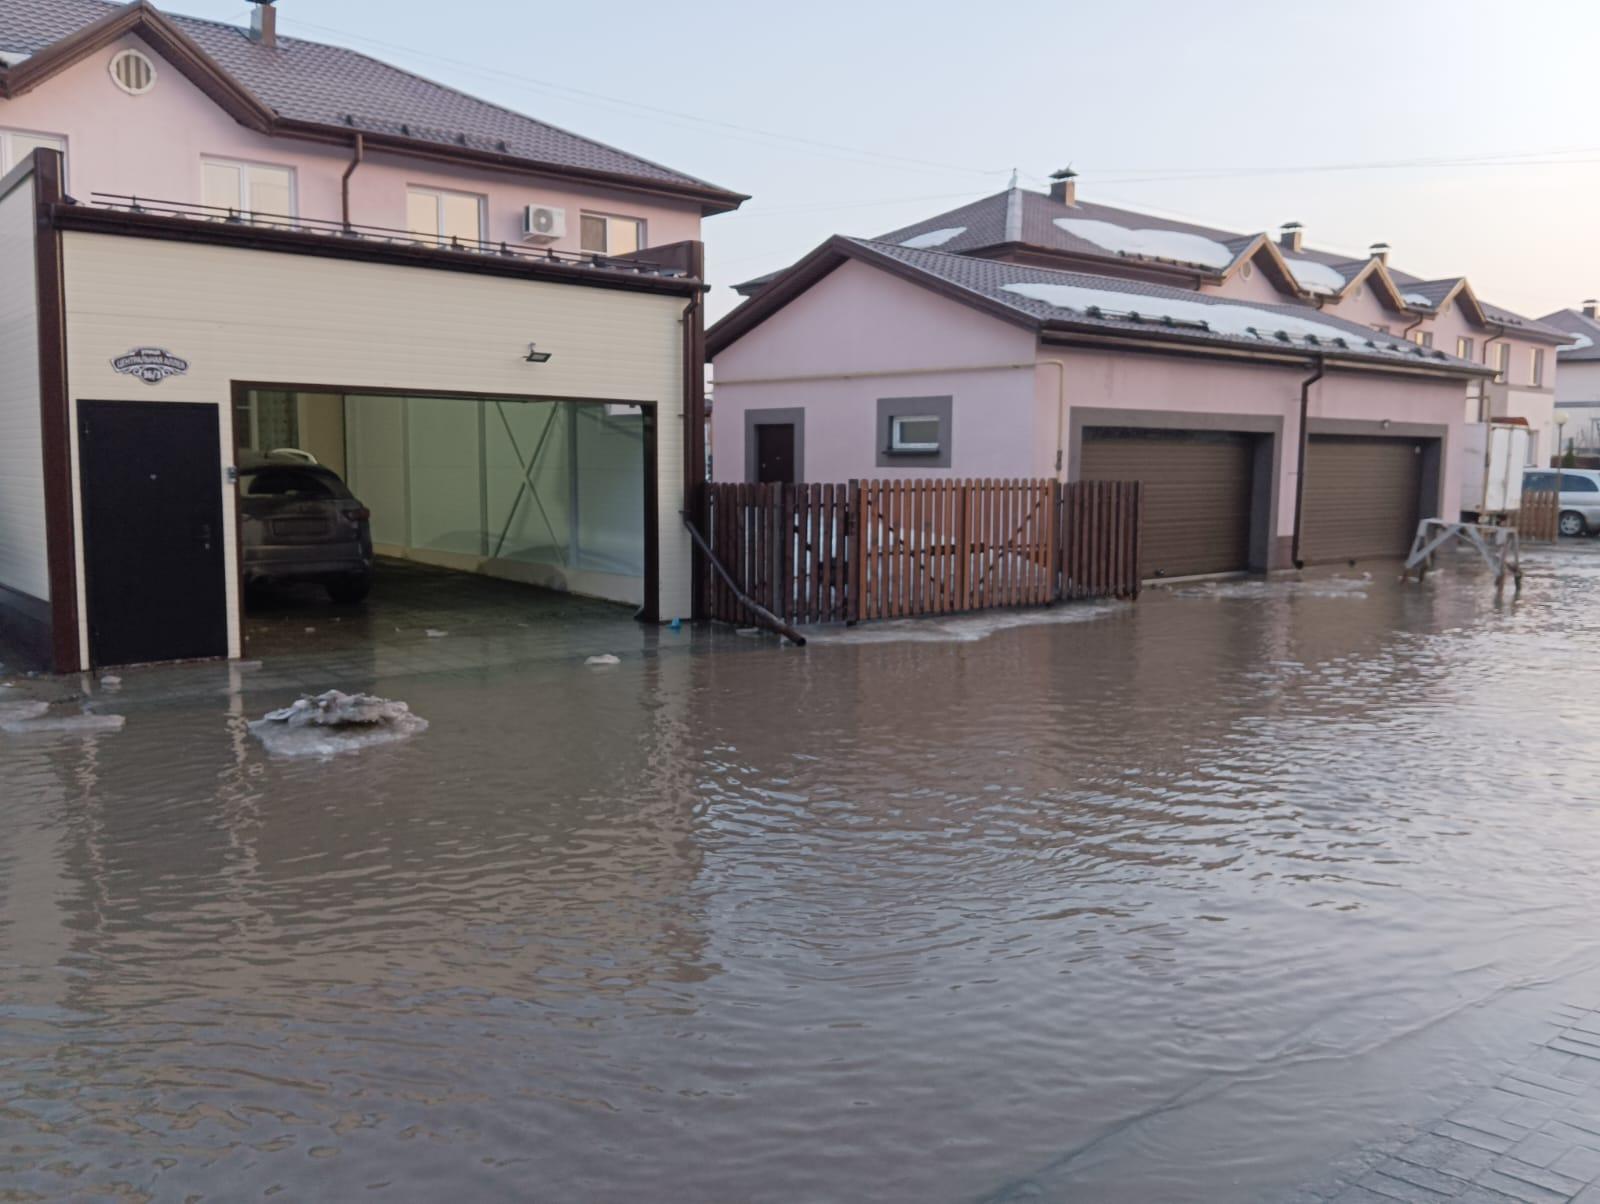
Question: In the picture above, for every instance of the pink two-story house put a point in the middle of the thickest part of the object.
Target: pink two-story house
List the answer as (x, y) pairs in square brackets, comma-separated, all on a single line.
[(221, 239)]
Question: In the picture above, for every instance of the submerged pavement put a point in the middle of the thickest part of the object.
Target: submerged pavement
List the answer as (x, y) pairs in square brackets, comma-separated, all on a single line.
[(1249, 891)]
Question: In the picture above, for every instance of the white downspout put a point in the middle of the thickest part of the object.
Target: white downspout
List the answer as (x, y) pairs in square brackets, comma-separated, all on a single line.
[(1061, 412)]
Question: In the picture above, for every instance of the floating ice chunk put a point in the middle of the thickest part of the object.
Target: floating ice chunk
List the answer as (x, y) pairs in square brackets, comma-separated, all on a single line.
[(433, 633), (933, 238), (1148, 243), (111, 681), (605, 658), (335, 722), (26, 718)]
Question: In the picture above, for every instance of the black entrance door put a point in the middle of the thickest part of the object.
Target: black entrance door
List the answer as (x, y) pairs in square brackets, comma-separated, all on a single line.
[(151, 476), (775, 453)]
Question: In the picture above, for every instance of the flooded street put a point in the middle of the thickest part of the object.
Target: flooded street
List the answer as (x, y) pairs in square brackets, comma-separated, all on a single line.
[(1181, 900)]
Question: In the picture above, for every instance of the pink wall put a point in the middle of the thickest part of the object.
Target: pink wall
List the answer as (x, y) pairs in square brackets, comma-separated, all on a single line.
[(908, 342), (152, 146)]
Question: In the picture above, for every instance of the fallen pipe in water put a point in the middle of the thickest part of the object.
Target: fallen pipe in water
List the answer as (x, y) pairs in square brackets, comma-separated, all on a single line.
[(767, 619)]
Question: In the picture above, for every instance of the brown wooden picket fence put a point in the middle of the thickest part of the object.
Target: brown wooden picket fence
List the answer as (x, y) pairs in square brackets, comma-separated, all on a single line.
[(1537, 517), (867, 550)]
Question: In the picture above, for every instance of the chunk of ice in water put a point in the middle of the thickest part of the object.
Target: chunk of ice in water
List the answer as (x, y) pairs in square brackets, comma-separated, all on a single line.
[(335, 722), (605, 658)]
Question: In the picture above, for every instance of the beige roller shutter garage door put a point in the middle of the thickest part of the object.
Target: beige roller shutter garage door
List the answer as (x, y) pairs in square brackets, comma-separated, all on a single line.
[(1362, 497), (1197, 494)]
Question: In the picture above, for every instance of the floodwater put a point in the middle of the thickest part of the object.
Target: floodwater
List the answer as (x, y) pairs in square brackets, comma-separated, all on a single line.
[(1183, 900)]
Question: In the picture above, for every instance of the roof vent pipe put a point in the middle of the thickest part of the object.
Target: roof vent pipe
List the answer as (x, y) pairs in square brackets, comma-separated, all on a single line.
[(1291, 237), (264, 23), (1064, 186), (1591, 308), (1380, 251)]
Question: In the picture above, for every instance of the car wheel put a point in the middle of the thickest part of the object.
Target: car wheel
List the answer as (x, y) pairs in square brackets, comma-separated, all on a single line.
[(1572, 523), (348, 590)]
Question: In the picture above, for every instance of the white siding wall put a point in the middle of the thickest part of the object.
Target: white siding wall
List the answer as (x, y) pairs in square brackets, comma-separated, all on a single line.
[(238, 314), (23, 565)]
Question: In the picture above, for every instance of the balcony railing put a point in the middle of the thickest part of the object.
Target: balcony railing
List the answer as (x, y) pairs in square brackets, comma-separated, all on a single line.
[(383, 234)]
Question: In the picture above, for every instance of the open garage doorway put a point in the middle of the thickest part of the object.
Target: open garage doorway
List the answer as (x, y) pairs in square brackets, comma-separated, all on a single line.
[(549, 492)]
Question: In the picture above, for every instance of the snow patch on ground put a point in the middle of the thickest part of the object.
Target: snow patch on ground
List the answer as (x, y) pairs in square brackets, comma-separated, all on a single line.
[(1152, 244), (1223, 317), (1315, 277), (335, 722), (933, 238), (963, 629)]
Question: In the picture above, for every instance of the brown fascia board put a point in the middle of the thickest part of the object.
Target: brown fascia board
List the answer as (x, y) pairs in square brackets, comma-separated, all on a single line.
[(95, 220), (825, 259), (1278, 267), (144, 19)]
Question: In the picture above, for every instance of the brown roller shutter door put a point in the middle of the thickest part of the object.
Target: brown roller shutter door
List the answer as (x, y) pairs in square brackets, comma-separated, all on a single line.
[(1362, 497), (1197, 495)]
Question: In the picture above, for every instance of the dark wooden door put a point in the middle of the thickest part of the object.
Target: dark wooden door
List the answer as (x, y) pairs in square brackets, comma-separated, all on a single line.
[(1198, 493), (775, 453), (1362, 497), (151, 477)]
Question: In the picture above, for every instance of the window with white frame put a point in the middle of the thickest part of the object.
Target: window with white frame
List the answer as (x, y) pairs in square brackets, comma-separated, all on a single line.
[(447, 217), (1536, 367), (607, 235), (256, 192), (1498, 356), (17, 145), (914, 433)]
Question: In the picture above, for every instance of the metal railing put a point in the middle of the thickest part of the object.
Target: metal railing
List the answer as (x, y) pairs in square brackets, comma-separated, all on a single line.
[(384, 234)]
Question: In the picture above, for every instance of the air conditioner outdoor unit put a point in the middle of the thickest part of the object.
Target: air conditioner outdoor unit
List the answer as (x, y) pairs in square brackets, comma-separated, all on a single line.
[(542, 223)]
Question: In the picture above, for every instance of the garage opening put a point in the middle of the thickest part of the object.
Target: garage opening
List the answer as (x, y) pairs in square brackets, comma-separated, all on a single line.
[(537, 491), (1363, 496), (1200, 493)]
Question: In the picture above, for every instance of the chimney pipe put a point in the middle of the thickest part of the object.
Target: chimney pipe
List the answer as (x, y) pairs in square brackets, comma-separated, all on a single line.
[(1591, 308), (264, 23), (1064, 186), (1380, 251), (1291, 236)]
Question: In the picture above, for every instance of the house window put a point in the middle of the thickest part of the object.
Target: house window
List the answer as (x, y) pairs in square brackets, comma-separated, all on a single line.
[(253, 191), (1422, 338), (914, 432), (133, 72), (607, 235), (17, 145), (1463, 348), (1536, 367), (1498, 355), (446, 217)]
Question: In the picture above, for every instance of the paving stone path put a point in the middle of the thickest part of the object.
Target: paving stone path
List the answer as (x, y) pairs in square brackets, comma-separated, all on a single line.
[(1533, 1137)]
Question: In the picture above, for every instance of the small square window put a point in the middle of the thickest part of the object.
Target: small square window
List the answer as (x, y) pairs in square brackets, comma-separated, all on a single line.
[(605, 235), (914, 433)]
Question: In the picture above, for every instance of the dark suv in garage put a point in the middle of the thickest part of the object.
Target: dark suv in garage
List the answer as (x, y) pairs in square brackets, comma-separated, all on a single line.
[(298, 522)]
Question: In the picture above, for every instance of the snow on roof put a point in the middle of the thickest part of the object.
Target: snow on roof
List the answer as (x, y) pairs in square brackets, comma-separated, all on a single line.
[(933, 238), (1149, 243), (1416, 299), (1580, 341), (1220, 317), (1315, 277)]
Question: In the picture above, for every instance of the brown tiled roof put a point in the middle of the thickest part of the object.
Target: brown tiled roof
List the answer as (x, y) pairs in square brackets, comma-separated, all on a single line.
[(986, 284), (326, 85)]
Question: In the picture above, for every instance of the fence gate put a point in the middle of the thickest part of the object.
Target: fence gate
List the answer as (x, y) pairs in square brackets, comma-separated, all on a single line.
[(815, 553)]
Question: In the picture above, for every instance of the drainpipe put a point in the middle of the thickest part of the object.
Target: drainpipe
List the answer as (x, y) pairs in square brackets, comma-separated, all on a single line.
[(344, 180), (1061, 410), (1300, 472), (1483, 383)]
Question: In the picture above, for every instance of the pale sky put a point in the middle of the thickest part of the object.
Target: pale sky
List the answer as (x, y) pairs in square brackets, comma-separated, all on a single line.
[(1462, 132)]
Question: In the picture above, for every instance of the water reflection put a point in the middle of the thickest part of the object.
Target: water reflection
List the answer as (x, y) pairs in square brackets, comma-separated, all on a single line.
[(1170, 904)]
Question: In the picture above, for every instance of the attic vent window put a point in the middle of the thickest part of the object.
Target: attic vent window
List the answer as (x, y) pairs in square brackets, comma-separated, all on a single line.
[(133, 72)]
